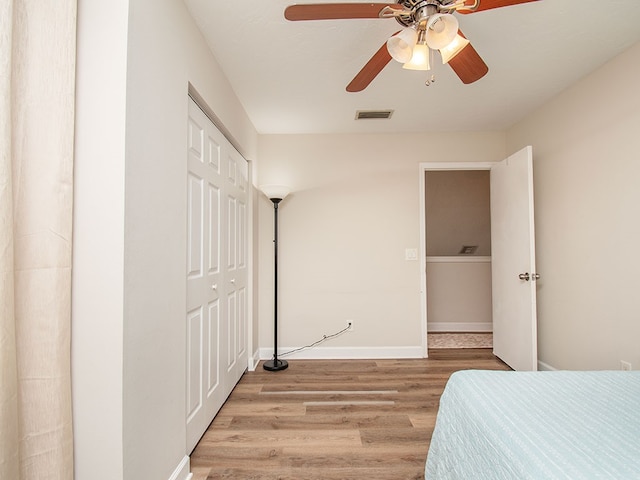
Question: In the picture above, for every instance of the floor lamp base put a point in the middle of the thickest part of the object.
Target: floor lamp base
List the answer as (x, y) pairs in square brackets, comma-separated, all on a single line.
[(275, 365)]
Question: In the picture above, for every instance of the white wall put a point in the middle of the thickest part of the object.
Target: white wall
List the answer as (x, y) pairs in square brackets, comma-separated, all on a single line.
[(343, 235), (130, 232), (98, 232), (587, 199), (458, 212), (459, 294)]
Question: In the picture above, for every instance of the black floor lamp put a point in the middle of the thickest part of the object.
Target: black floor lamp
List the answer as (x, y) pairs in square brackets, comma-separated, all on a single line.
[(275, 193)]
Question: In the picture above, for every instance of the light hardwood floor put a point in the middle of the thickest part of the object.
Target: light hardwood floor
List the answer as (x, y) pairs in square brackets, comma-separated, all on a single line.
[(337, 419)]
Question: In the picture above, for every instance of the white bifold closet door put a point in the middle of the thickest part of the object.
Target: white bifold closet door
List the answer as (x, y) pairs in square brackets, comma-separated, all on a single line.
[(216, 261)]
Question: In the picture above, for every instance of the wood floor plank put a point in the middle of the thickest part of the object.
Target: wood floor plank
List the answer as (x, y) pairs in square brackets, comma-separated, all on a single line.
[(329, 422), (424, 420), (305, 473), (260, 408), (396, 436), (339, 419), (282, 438)]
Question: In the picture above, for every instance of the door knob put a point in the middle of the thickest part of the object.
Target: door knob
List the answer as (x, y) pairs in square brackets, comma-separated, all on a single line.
[(525, 276), (214, 286)]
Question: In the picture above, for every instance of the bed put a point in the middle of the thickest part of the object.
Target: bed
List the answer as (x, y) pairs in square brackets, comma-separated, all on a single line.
[(537, 425)]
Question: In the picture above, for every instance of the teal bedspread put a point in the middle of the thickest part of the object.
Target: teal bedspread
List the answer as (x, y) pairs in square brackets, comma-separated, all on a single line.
[(537, 425)]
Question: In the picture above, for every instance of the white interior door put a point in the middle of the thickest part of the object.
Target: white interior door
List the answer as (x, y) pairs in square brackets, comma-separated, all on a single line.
[(216, 312), (513, 262)]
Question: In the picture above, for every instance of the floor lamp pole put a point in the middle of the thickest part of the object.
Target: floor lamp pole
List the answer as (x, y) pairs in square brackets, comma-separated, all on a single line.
[(275, 364)]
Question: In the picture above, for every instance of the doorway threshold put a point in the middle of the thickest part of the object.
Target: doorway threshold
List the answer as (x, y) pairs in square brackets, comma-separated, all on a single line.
[(460, 340)]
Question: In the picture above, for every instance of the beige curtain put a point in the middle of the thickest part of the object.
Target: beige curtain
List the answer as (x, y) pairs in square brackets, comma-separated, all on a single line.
[(37, 83)]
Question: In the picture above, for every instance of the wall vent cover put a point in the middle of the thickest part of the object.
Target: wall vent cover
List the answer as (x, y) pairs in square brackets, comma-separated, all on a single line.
[(468, 250), (379, 114)]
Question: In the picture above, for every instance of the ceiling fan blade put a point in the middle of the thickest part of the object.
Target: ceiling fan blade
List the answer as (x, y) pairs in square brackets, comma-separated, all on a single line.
[(491, 4), (468, 64), (334, 11), (371, 70)]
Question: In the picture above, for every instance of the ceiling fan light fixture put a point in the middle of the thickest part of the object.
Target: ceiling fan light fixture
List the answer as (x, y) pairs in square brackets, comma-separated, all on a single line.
[(442, 28), (400, 46), (454, 48), (419, 59)]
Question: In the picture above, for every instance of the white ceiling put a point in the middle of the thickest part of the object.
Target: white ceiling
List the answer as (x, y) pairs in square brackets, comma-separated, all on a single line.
[(291, 76)]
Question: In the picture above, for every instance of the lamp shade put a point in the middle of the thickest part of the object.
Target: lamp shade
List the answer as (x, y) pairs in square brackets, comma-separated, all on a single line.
[(275, 191), (442, 28), (419, 59), (454, 48), (400, 46)]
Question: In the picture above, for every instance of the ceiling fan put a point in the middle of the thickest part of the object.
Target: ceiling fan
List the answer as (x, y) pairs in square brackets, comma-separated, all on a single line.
[(427, 25)]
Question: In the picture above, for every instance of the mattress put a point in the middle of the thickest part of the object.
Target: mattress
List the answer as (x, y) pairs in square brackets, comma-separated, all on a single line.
[(537, 425)]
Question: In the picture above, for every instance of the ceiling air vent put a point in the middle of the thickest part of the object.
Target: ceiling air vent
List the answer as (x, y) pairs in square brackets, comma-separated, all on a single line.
[(364, 114)]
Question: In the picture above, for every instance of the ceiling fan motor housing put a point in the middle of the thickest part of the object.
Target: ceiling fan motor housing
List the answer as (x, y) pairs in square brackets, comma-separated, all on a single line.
[(421, 10)]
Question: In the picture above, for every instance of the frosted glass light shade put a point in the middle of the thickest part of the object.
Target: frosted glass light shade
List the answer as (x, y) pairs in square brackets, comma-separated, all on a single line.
[(400, 46), (275, 191), (454, 48), (442, 28), (420, 59)]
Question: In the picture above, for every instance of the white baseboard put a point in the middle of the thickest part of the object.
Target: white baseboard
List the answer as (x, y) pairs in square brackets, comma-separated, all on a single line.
[(459, 327), (253, 360), (345, 353), (182, 471), (545, 367)]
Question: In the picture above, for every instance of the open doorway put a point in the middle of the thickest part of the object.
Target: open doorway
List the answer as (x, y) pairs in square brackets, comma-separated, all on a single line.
[(456, 252), (513, 265)]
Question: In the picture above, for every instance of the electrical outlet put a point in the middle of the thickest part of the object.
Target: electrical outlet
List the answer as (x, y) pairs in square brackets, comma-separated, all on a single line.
[(625, 365), (350, 325)]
